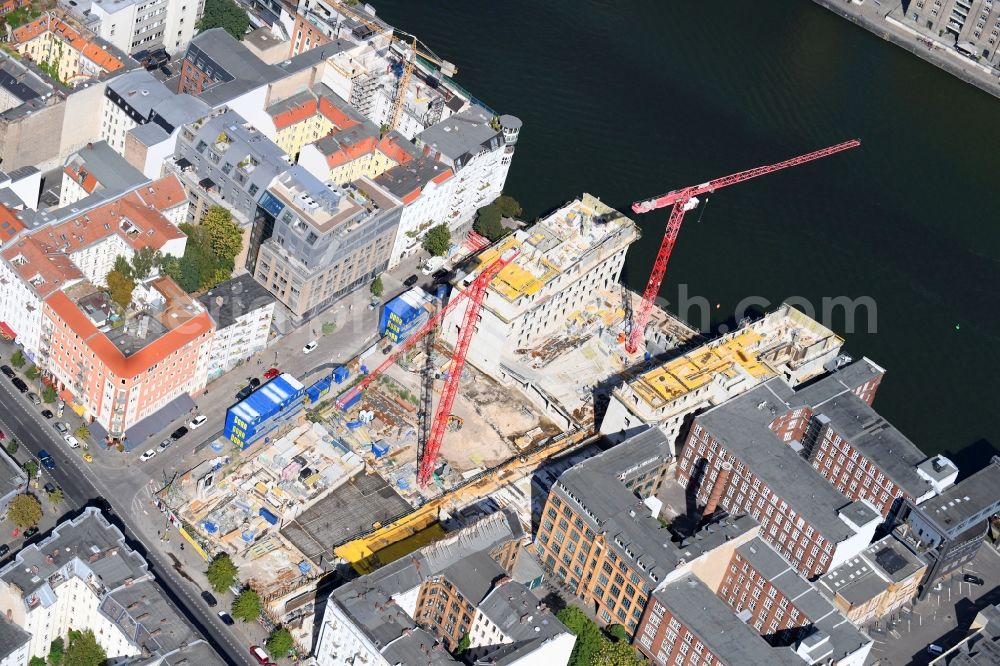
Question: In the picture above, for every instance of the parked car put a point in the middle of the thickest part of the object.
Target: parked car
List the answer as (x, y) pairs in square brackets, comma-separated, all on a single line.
[(147, 455), (226, 618), (88, 458), (441, 275), (262, 657), (4, 549), (19, 384), (47, 414), (50, 488), (209, 599), (177, 434), (410, 281), (935, 649), (72, 441), (7, 370), (197, 422), (30, 532), (47, 461), (244, 393), (62, 427), (310, 347), (974, 580), (165, 443), (272, 373), (33, 397)]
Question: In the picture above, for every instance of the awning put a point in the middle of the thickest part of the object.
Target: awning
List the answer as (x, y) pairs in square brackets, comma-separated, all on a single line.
[(157, 421), (6, 332)]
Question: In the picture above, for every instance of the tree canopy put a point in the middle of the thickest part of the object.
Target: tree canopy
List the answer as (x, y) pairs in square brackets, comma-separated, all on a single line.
[(56, 651), (208, 256), (377, 287), (17, 359), (222, 572), (225, 14), (280, 643), (224, 234), (618, 653), (508, 206), (588, 636), (120, 288), (49, 394), (143, 262), (24, 511), (488, 223), (84, 650), (437, 240), (246, 607)]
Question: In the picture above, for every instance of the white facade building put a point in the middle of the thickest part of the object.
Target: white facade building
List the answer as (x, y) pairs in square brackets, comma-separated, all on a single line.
[(563, 262), (243, 311), (134, 25), (479, 149)]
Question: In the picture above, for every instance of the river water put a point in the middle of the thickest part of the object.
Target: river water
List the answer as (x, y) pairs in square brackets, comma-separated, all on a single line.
[(629, 99)]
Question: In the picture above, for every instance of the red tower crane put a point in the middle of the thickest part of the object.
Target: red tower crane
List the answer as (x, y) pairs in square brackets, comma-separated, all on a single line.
[(686, 199)]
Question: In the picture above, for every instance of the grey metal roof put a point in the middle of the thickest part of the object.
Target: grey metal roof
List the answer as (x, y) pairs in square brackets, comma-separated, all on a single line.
[(418, 647), (405, 178), (114, 174), (180, 109), (12, 637), (140, 90), (844, 636), (741, 425), (517, 613), (459, 134), (965, 500), (232, 57), (238, 296), (695, 606), (610, 508), (149, 134), (870, 573), (315, 56)]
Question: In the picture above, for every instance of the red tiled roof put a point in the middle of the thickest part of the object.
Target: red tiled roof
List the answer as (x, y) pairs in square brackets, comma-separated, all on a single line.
[(351, 151), (66, 310), (335, 114), (87, 48), (163, 194), (54, 269), (295, 115), (393, 151), (441, 177), (82, 177), (13, 226)]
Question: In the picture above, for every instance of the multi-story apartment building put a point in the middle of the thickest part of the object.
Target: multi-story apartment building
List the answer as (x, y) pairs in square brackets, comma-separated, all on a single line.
[(97, 169), (310, 115), (242, 311), (120, 376), (564, 259), (134, 25), (784, 343), (685, 624), (82, 576), (81, 243), (417, 608), (599, 535), (213, 57), (313, 243), (72, 55), (883, 578), (345, 155), (734, 460), (425, 188), (973, 26), (786, 610), (129, 102), (948, 530), (479, 149)]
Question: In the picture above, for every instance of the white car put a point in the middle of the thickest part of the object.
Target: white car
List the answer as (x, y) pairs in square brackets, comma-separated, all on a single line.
[(197, 421), (147, 455), (310, 347), (73, 442)]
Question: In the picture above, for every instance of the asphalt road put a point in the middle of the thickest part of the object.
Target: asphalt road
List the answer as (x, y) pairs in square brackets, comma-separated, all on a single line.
[(81, 486)]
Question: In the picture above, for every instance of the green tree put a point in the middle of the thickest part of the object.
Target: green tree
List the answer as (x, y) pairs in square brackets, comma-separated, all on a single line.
[(12, 447), (329, 327), (246, 607), (143, 262), (36, 661), (49, 394), (488, 223), (122, 266), (82, 432), (618, 653), (225, 237), (30, 468), (280, 643), (17, 359), (56, 650), (120, 287), (24, 511), (222, 572), (509, 206), (463, 644), (437, 240), (588, 635), (377, 287), (84, 650), (225, 14), (56, 496), (618, 633), (32, 373)]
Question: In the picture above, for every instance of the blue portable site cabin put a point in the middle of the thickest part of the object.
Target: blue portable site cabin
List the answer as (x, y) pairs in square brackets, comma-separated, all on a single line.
[(403, 314), (319, 390), (340, 373), (263, 410)]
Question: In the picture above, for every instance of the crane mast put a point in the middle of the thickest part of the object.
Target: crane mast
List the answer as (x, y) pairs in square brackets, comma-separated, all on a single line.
[(683, 200)]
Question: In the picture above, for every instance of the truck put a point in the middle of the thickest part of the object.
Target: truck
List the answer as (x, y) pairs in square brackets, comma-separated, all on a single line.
[(432, 265)]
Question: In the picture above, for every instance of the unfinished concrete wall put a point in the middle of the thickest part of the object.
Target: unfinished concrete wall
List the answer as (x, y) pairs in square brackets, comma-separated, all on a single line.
[(82, 122), (32, 139)]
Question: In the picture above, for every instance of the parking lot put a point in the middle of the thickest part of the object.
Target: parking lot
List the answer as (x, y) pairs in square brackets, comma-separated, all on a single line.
[(942, 618)]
